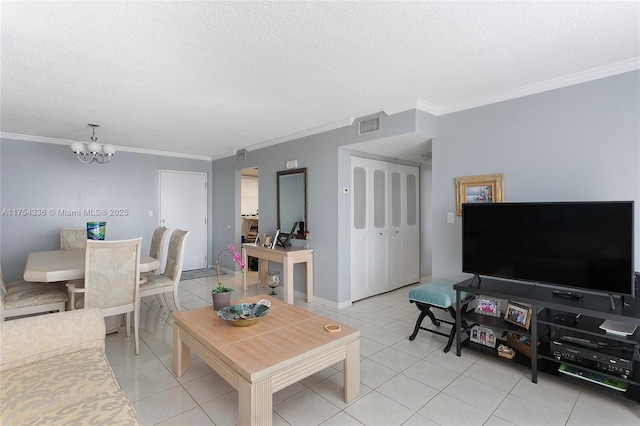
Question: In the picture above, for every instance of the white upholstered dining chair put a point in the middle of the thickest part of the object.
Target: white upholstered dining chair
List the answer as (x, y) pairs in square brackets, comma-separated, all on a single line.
[(25, 298), (169, 280), (111, 281), (156, 249), (73, 238)]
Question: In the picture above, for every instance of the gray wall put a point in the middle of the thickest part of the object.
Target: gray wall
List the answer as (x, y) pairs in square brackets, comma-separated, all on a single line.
[(576, 143), (49, 176), (328, 209)]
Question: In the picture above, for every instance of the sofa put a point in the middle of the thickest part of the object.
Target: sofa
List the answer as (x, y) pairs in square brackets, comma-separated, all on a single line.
[(53, 370)]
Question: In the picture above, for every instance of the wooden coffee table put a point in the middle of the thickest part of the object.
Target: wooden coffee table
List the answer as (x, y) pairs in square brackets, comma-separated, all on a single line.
[(282, 348)]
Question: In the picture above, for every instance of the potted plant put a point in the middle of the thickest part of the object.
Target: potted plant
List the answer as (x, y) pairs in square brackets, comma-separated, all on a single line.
[(221, 294)]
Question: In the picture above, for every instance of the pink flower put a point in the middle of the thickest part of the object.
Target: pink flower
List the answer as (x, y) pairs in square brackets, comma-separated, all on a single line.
[(237, 257)]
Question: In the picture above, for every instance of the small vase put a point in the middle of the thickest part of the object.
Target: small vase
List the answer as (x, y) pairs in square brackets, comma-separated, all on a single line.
[(273, 281), (220, 300)]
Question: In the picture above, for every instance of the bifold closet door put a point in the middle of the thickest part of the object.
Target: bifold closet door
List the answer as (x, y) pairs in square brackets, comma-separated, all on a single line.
[(411, 226), (385, 240), (369, 231)]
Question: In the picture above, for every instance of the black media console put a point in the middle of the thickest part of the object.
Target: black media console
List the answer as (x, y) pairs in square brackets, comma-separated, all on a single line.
[(560, 325)]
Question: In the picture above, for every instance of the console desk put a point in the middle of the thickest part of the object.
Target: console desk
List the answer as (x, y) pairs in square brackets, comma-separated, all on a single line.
[(287, 257), (593, 309)]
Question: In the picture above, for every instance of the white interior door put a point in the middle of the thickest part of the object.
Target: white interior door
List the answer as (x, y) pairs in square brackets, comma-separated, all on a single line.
[(380, 230), (360, 234), (183, 205), (385, 227), (396, 231), (411, 222), (369, 228)]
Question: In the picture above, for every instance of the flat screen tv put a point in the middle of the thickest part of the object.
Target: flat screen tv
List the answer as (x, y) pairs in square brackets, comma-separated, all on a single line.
[(580, 245)]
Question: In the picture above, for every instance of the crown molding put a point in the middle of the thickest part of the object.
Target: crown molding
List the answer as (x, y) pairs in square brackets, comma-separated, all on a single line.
[(621, 67), (544, 86), (420, 104), (56, 141), (298, 135)]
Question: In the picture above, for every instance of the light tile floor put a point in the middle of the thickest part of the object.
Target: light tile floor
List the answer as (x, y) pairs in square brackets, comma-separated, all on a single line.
[(403, 382)]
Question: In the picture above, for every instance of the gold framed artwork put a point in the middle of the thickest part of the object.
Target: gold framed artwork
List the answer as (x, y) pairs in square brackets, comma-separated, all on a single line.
[(479, 189)]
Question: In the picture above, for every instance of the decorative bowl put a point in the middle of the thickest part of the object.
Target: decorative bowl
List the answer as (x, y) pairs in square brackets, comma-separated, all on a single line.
[(244, 314)]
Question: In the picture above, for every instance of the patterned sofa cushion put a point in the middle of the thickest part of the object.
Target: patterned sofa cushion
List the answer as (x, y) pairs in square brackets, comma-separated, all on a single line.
[(28, 340), (107, 408), (53, 370), (57, 384)]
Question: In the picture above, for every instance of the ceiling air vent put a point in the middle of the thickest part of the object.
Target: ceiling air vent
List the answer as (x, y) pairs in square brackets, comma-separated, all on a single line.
[(368, 126)]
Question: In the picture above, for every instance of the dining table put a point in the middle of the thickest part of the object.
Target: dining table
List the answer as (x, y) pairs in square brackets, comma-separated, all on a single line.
[(68, 265)]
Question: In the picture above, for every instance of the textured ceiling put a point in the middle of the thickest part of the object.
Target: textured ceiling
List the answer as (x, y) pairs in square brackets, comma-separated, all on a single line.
[(207, 78)]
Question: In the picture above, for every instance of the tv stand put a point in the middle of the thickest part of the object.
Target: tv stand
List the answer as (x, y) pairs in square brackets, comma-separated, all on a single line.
[(568, 294), (474, 277), (590, 309), (612, 301)]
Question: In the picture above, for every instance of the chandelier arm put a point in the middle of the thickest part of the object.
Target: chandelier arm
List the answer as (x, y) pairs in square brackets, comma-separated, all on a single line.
[(102, 159), (82, 157)]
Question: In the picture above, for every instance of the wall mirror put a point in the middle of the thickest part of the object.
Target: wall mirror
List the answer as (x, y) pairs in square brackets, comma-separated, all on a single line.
[(292, 203)]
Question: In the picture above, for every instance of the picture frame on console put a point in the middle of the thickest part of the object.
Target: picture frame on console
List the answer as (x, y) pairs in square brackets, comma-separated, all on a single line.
[(479, 189), (519, 315), (487, 306)]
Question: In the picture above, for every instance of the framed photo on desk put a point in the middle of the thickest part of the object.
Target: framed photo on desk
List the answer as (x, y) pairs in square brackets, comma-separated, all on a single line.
[(518, 314), (487, 306)]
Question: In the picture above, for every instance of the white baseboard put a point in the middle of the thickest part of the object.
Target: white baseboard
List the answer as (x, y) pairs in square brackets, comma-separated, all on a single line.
[(323, 302), (346, 304)]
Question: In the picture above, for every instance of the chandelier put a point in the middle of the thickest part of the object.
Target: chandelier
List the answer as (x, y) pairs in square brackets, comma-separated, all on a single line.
[(93, 152)]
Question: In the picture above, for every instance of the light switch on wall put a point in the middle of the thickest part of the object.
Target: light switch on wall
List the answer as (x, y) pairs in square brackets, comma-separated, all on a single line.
[(450, 217)]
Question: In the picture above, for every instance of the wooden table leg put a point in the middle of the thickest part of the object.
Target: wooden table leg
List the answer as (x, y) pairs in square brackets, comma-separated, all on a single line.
[(181, 353), (255, 403), (352, 371), (263, 267), (287, 270), (246, 263), (309, 266)]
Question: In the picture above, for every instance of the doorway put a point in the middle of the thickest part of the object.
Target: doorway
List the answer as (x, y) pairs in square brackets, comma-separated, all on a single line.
[(183, 205)]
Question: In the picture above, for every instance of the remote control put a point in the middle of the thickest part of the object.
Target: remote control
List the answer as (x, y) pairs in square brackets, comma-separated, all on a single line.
[(580, 341), (567, 294)]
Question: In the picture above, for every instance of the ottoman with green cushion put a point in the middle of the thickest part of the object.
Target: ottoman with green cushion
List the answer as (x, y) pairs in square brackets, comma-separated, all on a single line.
[(437, 294)]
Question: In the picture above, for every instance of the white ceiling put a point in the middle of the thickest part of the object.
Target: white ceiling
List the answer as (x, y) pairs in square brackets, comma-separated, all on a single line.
[(207, 78)]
